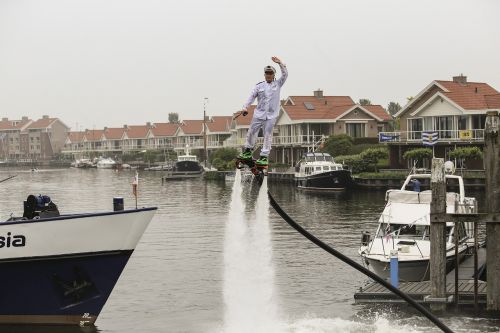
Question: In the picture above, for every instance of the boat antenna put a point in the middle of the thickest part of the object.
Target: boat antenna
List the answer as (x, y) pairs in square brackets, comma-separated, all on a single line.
[(356, 266)]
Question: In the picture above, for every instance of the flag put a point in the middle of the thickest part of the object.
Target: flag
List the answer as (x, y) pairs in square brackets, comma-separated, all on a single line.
[(135, 183), (430, 138)]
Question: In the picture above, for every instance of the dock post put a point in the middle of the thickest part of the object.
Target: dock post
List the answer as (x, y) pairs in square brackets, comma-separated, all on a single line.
[(394, 267), (492, 170), (438, 236)]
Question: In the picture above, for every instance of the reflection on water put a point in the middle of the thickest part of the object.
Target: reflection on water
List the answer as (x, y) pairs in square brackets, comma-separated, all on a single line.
[(174, 279)]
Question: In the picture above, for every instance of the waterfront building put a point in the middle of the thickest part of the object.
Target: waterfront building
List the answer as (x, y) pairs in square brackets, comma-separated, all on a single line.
[(454, 110), (28, 140)]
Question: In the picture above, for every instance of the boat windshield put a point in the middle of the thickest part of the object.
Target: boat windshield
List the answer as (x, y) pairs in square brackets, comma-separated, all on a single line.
[(415, 231), (328, 158)]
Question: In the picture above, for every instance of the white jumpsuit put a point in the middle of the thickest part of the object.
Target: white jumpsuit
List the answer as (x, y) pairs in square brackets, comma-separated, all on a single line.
[(266, 112)]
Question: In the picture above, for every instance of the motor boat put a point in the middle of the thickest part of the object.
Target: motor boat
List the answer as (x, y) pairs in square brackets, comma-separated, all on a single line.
[(404, 225), (82, 163), (105, 163), (186, 166), (320, 172)]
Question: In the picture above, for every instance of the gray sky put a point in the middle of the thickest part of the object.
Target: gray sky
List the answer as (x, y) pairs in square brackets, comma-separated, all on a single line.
[(102, 63)]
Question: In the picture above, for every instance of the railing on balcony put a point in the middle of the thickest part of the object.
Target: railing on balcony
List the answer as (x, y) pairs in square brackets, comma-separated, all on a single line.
[(303, 141), (472, 135)]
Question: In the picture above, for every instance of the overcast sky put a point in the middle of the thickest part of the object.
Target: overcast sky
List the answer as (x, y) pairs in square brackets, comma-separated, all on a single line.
[(96, 63)]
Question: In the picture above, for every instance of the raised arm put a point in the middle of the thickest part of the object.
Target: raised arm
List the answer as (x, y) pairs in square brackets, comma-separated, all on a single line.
[(284, 71)]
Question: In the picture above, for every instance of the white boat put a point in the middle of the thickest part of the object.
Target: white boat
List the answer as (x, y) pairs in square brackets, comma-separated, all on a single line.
[(320, 172), (82, 163), (64, 266), (405, 226), (105, 163)]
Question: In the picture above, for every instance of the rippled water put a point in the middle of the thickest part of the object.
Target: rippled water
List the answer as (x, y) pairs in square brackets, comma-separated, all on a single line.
[(174, 282)]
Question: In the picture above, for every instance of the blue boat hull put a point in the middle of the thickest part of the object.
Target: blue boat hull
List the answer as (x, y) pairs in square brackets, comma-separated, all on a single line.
[(65, 289)]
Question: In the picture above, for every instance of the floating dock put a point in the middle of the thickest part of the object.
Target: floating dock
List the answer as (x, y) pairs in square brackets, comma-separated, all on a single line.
[(420, 291)]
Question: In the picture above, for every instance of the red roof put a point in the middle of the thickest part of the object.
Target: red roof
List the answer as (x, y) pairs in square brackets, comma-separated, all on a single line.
[(42, 123), (114, 133), (377, 110), (93, 135), (76, 136), (14, 124), (493, 101), (192, 127), (6, 125), (244, 120), (470, 95), (164, 129), (219, 124), (137, 131)]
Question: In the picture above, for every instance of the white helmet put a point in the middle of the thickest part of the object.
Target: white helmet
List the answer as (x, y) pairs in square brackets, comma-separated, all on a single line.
[(270, 69)]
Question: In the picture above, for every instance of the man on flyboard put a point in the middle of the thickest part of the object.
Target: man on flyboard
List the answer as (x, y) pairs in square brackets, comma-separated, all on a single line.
[(267, 93)]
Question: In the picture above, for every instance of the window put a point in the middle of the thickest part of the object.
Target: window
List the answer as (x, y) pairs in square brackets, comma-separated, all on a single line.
[(445, 126), (478, 121), (415, 127), (356, 130), (462, 122)]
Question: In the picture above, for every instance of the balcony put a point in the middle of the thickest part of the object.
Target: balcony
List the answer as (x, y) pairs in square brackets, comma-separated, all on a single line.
[(465, 136), (281, 141)]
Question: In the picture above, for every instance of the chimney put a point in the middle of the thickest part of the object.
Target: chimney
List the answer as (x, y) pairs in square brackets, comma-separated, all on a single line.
[(45, 116), (148, 124), (24, 118), (125, 126), (460, 79), (5, 119), (318, 93), (105, 128)]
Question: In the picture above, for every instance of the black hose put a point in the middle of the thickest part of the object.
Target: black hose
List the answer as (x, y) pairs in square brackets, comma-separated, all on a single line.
[(10, 177), (355, 265)]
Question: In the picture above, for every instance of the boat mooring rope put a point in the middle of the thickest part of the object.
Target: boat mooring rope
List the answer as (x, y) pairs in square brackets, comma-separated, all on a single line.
[(356, 266)]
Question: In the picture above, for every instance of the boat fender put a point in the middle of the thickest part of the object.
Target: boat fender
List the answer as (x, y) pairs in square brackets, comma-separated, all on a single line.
[(365, 238)]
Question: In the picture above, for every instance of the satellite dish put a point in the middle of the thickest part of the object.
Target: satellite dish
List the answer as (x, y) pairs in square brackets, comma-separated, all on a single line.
[(449, 167)]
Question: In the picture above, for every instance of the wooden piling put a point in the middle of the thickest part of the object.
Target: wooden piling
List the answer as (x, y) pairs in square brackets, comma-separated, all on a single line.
[(438, 236), (492, 170)]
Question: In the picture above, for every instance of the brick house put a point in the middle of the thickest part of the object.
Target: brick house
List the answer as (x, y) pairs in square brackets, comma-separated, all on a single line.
[(455, 110)]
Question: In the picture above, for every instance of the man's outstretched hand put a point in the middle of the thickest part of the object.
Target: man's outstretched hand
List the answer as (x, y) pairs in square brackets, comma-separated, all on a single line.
[(276, 60)]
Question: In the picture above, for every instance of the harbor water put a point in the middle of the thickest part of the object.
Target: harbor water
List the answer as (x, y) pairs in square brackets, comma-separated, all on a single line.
[(217, 259)]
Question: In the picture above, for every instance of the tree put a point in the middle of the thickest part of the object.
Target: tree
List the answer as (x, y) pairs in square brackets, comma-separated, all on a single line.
[(418, 154), (365, 101), (338, 145), (173, 117), (393, 108), (222, 159), (371, 156), (465, 153)]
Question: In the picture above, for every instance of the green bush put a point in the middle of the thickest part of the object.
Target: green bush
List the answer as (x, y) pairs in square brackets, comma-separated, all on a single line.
[(466, 153), (358, 149), (418, 154), (223, 159), (337, 145)]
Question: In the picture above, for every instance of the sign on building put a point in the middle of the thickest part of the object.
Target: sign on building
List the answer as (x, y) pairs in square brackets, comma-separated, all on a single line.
[(465, 134), (430, 138), (383, 137)]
